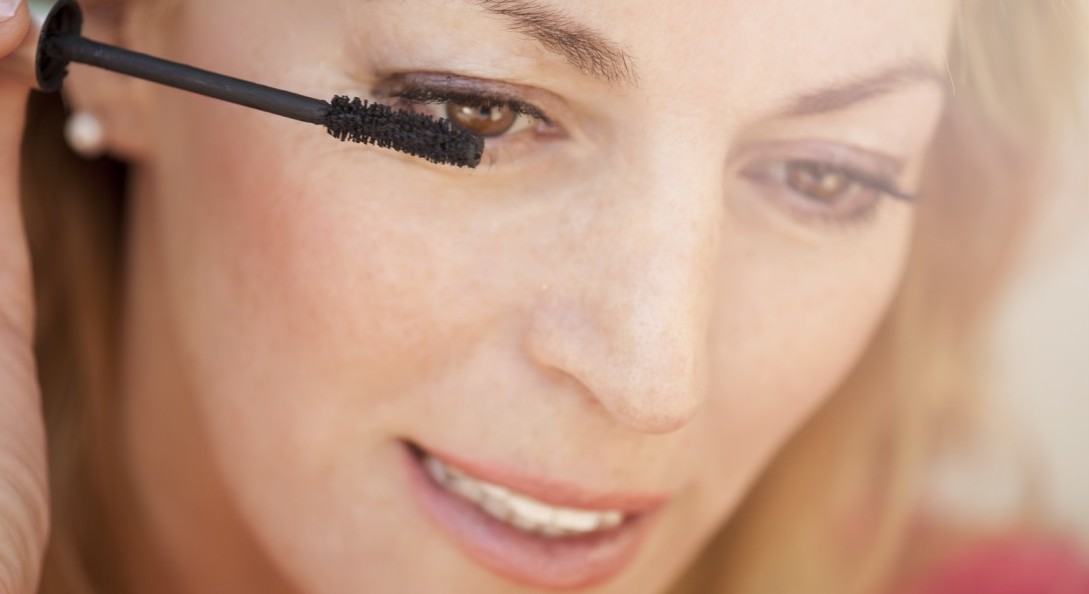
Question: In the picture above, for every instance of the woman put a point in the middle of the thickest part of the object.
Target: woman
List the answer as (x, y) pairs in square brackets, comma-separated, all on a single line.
[(693, 326)]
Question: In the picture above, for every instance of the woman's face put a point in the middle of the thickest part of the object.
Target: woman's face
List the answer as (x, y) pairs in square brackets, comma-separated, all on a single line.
[(681, 238)]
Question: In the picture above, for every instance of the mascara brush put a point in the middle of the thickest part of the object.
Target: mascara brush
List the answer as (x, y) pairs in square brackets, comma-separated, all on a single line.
[(435, 140)]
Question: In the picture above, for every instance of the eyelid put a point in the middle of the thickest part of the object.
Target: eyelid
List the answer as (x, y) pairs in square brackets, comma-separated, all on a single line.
[(426, 96), (437, 87)]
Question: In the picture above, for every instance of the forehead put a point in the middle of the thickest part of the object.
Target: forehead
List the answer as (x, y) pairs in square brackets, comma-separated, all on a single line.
[(763, 44)]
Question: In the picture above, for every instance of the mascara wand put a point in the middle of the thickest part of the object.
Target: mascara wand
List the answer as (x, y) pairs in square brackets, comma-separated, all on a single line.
[(436, 140)]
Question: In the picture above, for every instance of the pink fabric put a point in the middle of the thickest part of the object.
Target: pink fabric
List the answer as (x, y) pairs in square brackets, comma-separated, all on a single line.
[(1012, 566)]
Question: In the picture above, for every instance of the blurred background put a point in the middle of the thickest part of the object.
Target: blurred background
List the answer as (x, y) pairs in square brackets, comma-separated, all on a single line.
[(1038, 369), (1040, 362)]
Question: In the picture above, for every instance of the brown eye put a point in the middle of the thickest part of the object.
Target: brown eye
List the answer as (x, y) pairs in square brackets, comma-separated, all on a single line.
[(818, 181), (485, 120)]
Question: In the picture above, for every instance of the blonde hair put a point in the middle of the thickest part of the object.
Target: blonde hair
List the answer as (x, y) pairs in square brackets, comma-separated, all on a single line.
[(1014, 75), (854, 475)]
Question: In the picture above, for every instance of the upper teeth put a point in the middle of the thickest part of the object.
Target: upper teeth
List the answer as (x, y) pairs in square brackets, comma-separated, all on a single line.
[(518, 510)]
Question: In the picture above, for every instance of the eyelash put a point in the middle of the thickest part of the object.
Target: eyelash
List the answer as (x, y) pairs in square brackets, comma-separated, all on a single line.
[(771, 173), (422, 96), (530, 126)]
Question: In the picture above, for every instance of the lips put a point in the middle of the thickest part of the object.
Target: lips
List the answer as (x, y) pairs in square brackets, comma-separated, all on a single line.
[(521, 511), (532, 530)]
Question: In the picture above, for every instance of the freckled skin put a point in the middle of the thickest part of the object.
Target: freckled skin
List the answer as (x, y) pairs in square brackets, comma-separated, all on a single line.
[(616, 308)]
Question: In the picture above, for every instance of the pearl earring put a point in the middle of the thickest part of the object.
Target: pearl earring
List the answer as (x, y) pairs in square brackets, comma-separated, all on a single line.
[(85, 134)]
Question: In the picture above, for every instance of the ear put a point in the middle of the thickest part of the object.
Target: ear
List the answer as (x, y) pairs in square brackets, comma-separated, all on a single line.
[(121, 103)]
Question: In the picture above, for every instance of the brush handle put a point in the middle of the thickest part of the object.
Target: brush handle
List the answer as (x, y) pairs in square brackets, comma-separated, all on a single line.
[(438, 141), (61, 42), (278, 101)]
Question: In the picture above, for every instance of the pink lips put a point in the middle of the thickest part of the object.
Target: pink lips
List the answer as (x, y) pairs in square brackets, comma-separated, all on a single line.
[(556, 563)]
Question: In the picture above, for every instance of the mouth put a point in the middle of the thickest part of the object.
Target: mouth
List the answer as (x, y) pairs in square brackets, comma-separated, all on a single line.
[(535, 531)]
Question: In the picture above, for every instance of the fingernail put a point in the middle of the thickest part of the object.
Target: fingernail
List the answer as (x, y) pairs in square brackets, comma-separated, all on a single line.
[(8, 8)]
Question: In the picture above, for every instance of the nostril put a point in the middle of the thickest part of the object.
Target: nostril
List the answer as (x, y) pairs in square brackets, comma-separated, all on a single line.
[(634, 362), (654, 409), (655, 420)]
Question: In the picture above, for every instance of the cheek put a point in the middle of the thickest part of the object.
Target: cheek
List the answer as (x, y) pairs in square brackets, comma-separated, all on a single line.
[(304, 293), (285, 253), (304, 306), (293, 276), (790, 324)]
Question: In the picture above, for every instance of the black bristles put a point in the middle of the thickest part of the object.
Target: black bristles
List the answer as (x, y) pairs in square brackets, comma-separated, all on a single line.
[(437, 141)]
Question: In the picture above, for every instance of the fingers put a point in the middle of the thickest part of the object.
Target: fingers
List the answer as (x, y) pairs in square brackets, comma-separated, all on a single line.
[(13, 29), (24, 517), (18, 47), (17, 380), (17, 375)]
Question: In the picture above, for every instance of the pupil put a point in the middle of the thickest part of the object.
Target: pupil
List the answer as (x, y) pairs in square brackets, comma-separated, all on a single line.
[(485, 120), (814, 180)]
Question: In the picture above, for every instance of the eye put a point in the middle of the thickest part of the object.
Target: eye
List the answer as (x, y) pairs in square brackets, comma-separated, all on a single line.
[(488, 121), (816, 189), (818, 181), (488, 116), (519, 133)]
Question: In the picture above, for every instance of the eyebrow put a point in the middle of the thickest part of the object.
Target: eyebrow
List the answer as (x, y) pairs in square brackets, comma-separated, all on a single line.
[(587, 50), (844, 94)]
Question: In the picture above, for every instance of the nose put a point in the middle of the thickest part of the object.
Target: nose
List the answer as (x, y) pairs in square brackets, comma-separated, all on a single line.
[(628, 317)]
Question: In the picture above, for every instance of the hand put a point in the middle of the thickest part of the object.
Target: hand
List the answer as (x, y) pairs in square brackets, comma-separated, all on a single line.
[(24, 498)]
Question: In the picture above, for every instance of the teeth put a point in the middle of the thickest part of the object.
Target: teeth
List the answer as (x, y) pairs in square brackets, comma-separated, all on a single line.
[(525, 513), (436, 469)]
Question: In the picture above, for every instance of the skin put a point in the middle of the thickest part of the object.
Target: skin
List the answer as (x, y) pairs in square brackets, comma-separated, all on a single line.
[(604, 304)]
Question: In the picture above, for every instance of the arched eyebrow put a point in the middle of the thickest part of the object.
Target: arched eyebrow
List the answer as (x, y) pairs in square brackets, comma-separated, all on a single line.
[(844, 94), (582, 47)]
